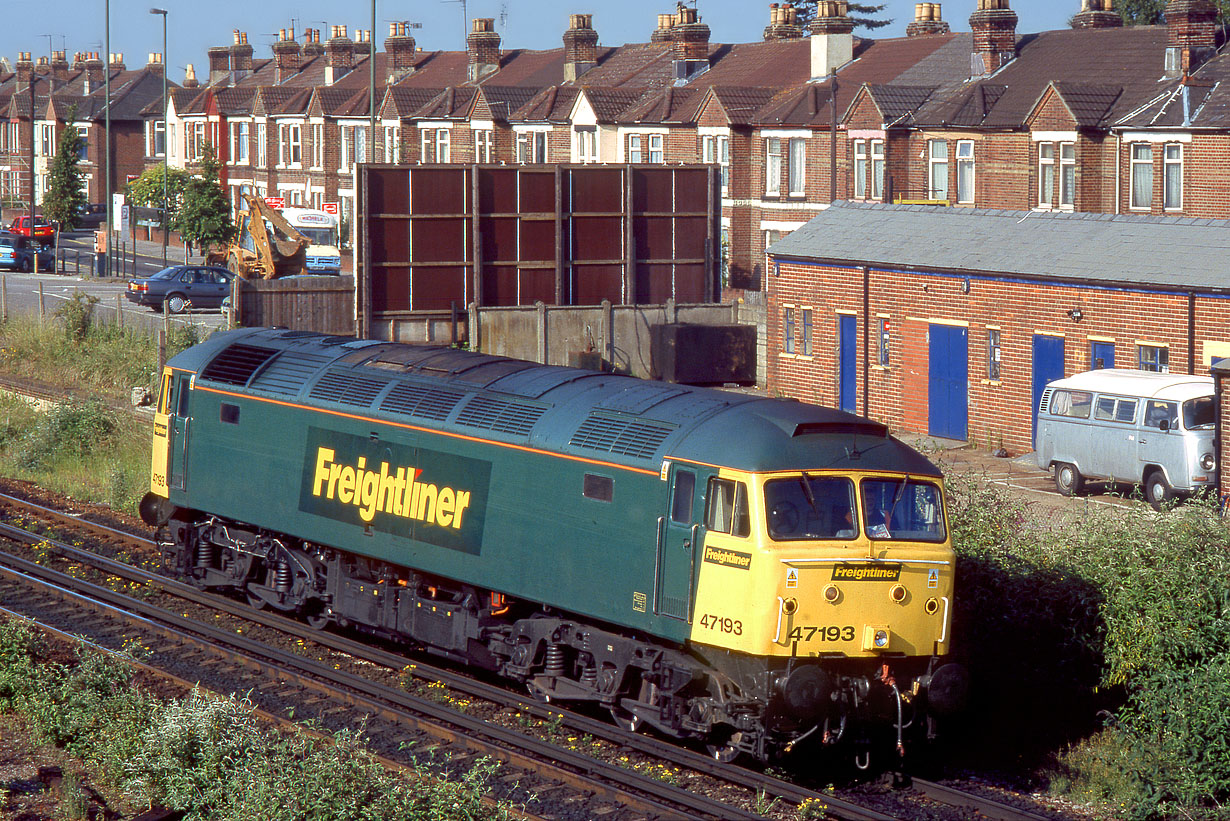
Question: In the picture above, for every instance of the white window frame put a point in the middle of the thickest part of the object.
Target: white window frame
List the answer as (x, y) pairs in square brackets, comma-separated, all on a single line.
[(318, 145), (157, 133), (657, 153), (392, 138), (1046, 175), (482, 145), (965, 163), (426, 148), (877, 170), (587, 144), (937, 169), (860, 169), (262, 142), (444, 151), (788, 332), (796, 167), (634, 148), (1172, 164), (773, 167), (1142, 165), (1067, 176), (239, 143)]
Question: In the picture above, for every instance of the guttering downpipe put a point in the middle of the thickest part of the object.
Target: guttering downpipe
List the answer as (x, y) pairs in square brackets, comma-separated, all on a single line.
[(866, 338), (1191, 332)]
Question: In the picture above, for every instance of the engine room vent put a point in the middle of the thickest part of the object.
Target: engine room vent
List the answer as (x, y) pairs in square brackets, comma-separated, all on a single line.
[(500, 415), (288, 373), (628, 437), (420, 401), (236, 364), (347, 389)]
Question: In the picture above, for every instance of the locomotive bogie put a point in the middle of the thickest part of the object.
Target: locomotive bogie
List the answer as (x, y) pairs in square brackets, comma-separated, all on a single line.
[(707, 564)]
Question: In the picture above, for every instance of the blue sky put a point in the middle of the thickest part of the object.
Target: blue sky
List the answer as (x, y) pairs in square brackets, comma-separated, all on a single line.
[(39, 26)]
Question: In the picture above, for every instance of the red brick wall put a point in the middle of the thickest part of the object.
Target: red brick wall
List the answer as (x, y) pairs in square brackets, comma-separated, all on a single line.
[(1000, 412)]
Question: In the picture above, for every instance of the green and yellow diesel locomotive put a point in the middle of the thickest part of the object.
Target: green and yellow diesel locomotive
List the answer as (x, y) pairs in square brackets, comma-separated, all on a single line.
[(742, 571)]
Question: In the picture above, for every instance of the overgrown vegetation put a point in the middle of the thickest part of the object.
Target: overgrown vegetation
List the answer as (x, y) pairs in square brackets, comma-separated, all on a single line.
[(207, 756), (1104, 637)]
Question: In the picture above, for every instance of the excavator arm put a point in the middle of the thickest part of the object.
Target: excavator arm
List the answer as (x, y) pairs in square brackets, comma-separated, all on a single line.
[(266, 245)]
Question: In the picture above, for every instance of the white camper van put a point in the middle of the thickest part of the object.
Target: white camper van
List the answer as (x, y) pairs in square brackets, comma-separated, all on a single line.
[(323, 255), (1151, 429)]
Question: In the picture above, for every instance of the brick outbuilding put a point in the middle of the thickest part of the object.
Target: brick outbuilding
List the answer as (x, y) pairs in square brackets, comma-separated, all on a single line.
[(951, 321)]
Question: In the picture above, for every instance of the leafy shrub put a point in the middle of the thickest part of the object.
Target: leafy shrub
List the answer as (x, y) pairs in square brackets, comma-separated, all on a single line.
[(77, 315), (68, 429)]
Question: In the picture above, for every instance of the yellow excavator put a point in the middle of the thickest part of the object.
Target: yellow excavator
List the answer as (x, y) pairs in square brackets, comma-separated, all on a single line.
[(266, 245)]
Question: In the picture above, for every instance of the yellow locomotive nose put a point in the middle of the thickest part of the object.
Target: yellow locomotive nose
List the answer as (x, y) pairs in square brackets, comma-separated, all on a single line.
[(875, 637)]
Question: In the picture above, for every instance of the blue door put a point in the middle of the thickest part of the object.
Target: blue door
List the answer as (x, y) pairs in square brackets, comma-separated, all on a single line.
[(948, 382), (1101, 355), (847, 362), (1048, 366)]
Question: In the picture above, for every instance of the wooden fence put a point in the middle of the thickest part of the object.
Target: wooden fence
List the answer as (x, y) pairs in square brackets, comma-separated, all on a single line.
[(324, 304)]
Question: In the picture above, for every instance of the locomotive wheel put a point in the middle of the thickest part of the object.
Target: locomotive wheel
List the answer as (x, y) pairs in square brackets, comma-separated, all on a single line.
[(316, 615), (255, 601), (723, 752), (1068, 479)]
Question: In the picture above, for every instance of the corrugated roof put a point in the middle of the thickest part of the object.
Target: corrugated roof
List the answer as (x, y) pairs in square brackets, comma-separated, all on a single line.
[(1162, 252)]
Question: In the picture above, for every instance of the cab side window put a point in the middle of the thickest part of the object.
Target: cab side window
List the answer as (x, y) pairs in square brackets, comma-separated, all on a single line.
[(1157, 412), (681, 502), (727, 508), (166, 399)]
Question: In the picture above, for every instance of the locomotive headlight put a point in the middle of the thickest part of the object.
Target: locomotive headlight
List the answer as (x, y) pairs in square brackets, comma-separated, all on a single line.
[(931, 607), (1207, 462), (897, 594), (831, 594), (875, 637), (790, 606)]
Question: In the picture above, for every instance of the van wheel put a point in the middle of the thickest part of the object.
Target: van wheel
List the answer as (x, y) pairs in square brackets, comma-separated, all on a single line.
[(1157, 490), (1068, 479)]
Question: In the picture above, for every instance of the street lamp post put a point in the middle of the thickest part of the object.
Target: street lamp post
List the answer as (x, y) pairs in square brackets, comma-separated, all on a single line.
[(165, 64), (107, 128)]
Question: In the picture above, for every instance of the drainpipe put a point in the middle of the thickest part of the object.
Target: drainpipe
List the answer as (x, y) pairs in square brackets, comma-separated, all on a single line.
[(1191, 332), (833, 136), (1118, 170), (866, 338)]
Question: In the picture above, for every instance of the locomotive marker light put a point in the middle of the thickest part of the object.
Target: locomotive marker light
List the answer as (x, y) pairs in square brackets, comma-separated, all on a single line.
[(875, 637), (831, 594), (897, 594)]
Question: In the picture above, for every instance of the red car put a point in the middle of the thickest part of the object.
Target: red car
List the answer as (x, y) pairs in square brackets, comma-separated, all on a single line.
[(44, 231)]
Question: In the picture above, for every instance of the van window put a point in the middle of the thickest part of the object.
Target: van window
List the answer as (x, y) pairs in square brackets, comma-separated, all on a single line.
[(1198, 413), (1156, 412), (1110, 409), (1071, 403)]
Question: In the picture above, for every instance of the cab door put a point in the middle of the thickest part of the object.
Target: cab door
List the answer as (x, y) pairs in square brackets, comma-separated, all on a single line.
[(679, 543), (177, 432)]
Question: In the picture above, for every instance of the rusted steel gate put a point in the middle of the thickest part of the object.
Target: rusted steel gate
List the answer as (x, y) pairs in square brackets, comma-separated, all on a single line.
[(436, 236)]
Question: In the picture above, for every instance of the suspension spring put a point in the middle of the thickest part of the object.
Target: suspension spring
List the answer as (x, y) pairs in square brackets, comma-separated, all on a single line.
[(554, 663), (283, 577), (589, 671), (204, 554)]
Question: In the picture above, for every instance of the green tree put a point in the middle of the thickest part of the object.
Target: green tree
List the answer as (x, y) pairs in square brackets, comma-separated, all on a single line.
[(862, 14), (1152, 12), (146, 190), (65, 196), (204, 218)]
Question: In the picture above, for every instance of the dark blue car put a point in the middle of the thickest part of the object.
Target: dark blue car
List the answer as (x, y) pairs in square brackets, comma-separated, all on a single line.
[(17, 253), (181, 287)]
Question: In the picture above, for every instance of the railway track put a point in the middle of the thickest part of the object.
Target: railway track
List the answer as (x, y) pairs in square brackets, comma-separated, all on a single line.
[(323, 684)]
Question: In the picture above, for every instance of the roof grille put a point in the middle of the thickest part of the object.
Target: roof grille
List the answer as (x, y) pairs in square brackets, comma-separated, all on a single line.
[(288, 373), (421, 401), (236, 364), (628, 437), (500, 415), (347, 389)]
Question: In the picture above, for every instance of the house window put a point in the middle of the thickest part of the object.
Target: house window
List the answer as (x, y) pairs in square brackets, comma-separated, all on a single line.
[(318, 145), (773, 167), (965, 171), (158, 138), (877, 169), (656, 154), (392, 136), (443, 154), (482, 146), (798, 167), (587, 145), (860, 169), (716, 149), (532, 147), (425, 148), (360, 143), (1173, 162), (788, 330), (993, 354), (1154, 358), (46, 140), (239, 143), (292, 139), (1067, 175), (634, 148), (1142, 176), (262, 141), (83, 146), (1046, 174), (807, 326), (882, 342), (938, 154)]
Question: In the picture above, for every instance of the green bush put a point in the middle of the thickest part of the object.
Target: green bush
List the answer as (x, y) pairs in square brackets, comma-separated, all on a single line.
[(77, 315), (67, 430)]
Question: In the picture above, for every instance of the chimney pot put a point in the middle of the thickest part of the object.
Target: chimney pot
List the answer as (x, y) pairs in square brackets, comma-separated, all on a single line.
[(1191, 27), (483, 46), (580, 46)]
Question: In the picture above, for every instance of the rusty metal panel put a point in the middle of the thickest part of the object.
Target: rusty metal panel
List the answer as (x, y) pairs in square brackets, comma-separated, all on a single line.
[(390, 187), (499, 239), (690, 234), (440, 239), (691, 190), (690, 283), (537, 285), (536, 191), (597, 238), (438, 287), (594, 283), (537, 238), (435, 190), (500, 285)]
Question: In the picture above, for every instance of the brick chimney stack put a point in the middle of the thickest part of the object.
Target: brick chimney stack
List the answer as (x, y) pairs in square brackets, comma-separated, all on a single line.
[(92, 65), (59, 66), (927, 20), (286, 55), (662, 34), (783, 23), (219, 65), (1097, 14), (994, 27), (1192, 35), (117, 62), (42, 66), (154, 63), (311, 44), (483, 44), (691, 42), (832, 37), (241, 56), (580, 46), (25, 68), (190, 80), (362, 42), (399, 46), (339, 55)]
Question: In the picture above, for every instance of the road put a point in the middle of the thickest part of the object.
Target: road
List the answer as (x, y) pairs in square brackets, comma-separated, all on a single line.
[(77, 254)]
